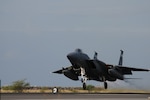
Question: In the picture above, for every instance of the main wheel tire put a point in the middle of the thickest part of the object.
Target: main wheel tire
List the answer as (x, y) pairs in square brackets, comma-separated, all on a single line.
[(84, 86), (105, 85)]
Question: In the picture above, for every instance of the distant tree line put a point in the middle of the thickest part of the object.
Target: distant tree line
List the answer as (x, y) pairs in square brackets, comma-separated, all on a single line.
[(20, 85), (17, 86)]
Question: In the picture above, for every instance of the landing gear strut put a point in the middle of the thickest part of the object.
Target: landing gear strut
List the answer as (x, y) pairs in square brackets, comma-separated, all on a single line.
[(83, 78), (104, 80)]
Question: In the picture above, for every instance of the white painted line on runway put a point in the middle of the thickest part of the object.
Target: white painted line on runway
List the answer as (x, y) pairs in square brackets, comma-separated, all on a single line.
[(91, 99)]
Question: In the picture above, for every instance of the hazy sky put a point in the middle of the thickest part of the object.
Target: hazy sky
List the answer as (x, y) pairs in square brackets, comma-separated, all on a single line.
[(36, 36)]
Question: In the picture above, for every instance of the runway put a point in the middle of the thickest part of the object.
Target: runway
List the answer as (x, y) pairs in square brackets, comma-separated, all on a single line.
[(46, 96)]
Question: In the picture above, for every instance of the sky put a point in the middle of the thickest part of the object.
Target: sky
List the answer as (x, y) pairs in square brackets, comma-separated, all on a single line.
[(36, 36)]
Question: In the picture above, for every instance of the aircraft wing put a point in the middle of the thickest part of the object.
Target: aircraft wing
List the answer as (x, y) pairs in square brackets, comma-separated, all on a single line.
[(69, 72), (128, 70), (61, 71)]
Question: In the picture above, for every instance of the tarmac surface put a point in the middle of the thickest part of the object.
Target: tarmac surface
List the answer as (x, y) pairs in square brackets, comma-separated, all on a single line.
[(46, 96)]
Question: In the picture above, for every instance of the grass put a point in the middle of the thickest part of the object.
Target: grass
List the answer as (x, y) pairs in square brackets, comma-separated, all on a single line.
[(78, 90)]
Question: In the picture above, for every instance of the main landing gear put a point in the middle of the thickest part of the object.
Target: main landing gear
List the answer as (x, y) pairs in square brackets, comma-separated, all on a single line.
[(84, 86), (105, 85), (104, 80), (84, 79)]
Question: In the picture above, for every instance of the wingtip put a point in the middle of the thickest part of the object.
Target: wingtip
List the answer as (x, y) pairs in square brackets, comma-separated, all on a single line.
[(148, 69), (58, 72), (54, 72), (51, 72)]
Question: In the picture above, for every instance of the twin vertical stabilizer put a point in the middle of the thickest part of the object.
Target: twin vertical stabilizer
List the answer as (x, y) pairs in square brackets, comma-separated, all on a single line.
[(121, 58)]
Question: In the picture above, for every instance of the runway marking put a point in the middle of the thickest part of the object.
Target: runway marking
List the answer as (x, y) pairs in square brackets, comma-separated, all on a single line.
[(90, 99), (75, 97)]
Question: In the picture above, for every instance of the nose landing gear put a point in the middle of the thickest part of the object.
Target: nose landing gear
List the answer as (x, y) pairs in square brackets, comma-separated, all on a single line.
[(83, 78)]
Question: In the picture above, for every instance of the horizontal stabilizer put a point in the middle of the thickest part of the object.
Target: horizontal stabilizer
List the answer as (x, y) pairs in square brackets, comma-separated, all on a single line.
[(132, 69), (126, 70), (132, 78)]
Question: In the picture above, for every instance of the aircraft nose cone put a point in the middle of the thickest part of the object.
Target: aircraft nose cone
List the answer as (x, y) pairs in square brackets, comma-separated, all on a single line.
[(69, 56)]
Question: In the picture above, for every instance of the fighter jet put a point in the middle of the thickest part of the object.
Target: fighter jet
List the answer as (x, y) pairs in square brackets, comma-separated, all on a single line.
[(94, 69)]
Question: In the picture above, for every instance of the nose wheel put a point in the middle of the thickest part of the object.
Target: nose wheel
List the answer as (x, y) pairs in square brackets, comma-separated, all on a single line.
[(83, 80)]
